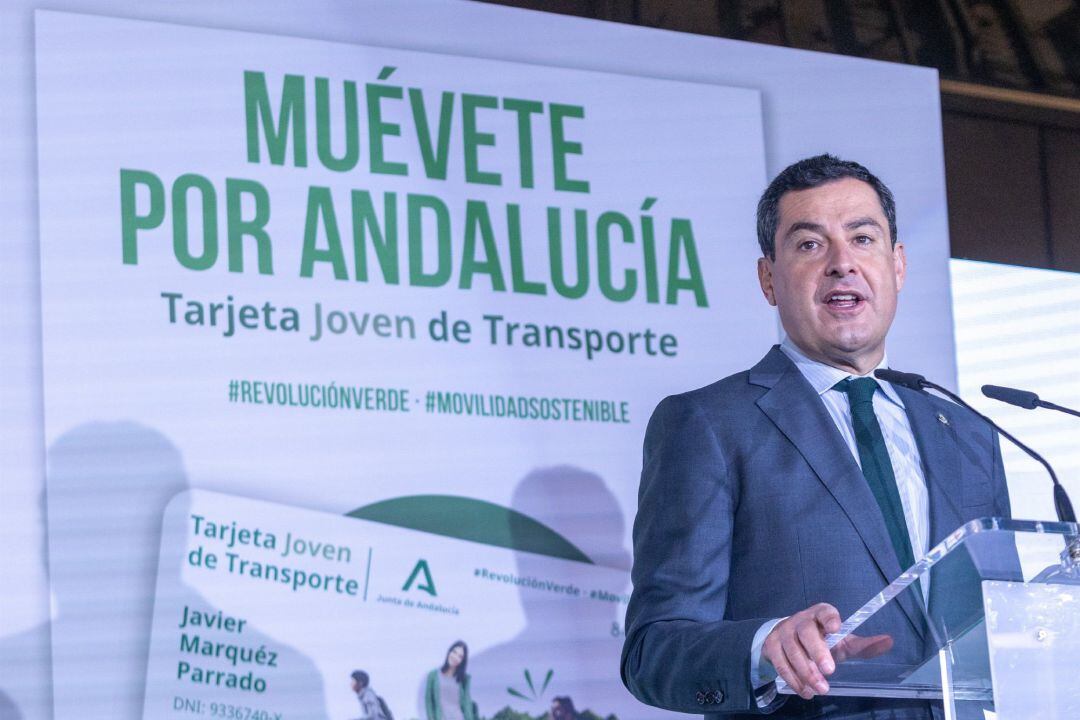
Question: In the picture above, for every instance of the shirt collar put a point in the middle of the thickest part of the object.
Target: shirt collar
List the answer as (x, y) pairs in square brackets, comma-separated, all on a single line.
[(823, 377)]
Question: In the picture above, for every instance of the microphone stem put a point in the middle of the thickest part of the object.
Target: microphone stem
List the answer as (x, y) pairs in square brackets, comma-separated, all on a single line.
[(1061, 503), (1059, 408)]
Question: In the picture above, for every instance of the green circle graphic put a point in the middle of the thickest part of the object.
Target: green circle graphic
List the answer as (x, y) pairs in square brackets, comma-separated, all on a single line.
[(474, 520)]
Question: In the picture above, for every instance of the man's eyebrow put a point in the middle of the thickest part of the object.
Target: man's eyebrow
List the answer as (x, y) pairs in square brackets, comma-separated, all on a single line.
[(866, 221), (804, 225), (862, 222)]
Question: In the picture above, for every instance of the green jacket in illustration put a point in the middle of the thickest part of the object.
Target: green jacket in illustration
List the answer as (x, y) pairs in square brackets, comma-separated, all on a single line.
[(433, 706)]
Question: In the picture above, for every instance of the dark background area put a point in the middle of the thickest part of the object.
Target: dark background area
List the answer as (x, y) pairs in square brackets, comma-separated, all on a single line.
[(1010, 96)]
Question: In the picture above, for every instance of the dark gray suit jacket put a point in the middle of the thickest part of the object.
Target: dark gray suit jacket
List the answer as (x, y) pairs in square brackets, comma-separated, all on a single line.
[(751, 507)]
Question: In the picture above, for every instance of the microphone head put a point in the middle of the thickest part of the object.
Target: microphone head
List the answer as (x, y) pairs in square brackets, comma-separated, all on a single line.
[(1019, 398), (1063, 505), (908, 380)]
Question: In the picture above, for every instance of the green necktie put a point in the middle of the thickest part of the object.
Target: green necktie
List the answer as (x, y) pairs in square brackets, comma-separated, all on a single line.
[(876, 466)]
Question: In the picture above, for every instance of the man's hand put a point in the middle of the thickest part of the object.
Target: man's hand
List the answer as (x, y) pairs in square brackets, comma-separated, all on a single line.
[(796, 648)]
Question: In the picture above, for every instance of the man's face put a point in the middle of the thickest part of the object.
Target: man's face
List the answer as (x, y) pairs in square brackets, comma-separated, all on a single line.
[(836, 275)]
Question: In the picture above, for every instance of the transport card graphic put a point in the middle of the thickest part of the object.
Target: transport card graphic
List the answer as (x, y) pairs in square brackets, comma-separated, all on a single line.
[(269, 609)]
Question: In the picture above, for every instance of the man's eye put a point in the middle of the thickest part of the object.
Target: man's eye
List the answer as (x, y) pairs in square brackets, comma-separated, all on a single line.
[(808, 244), (864, 239)]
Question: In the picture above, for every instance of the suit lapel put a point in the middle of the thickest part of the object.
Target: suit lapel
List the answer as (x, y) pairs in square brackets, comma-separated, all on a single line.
[(940, 454), (800, 415), (955, 596)]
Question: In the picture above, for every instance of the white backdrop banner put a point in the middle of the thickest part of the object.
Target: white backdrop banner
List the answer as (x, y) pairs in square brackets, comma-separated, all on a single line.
[(429, 291)]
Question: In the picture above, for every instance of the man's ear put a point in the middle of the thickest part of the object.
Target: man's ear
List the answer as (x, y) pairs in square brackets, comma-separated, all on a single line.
[(764, 276), (899, 265)]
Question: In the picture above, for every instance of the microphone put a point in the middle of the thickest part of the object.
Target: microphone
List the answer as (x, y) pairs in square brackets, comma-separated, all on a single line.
[(908, 380), (1062, 504), (1019, 398), (1022, 398)]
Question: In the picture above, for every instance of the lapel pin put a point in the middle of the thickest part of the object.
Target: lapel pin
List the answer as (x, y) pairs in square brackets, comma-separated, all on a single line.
[(942, 419)]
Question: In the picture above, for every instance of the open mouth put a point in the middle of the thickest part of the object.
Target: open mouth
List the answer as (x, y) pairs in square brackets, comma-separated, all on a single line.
[(844, 300)]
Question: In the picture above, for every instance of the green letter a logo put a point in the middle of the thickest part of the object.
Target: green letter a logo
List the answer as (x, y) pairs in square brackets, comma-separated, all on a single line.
[(428, 585)]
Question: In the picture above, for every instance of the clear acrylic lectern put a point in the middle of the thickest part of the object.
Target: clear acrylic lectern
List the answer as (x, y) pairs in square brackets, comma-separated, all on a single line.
[(989, 620)]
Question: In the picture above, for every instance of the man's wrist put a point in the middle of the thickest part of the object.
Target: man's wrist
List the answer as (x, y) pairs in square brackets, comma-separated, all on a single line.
[(762, 671)]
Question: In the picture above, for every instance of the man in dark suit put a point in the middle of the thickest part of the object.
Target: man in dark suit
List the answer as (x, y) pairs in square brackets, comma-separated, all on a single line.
[(779, 500)]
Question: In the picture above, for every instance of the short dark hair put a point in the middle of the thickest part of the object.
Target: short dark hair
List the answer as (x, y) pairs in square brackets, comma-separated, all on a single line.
[(810, 173), (361, 678)]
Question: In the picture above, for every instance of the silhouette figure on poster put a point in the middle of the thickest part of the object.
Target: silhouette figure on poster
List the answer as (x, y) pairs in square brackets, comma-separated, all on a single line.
[(561, 636), (108, 484)]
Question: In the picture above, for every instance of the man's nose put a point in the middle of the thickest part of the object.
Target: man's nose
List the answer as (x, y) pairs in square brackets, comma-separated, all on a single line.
[(840, 260)]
